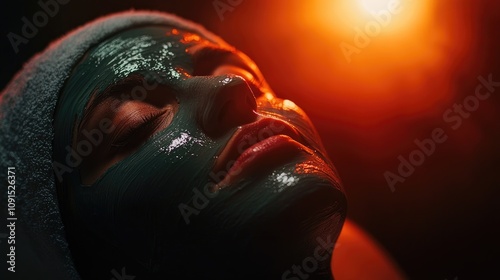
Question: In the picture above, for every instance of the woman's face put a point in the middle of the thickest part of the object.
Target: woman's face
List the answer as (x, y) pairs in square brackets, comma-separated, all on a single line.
[(175, 154)]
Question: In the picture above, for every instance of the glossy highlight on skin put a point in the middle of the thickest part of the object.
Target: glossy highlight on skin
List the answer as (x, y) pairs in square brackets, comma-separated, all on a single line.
[(258, 225)]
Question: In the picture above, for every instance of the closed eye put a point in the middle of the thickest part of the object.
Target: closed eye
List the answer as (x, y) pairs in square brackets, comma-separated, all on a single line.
[(130, 134), (134, 120)]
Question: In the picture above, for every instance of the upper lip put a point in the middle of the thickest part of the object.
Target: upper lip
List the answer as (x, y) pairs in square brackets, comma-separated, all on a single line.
[(251, 134)]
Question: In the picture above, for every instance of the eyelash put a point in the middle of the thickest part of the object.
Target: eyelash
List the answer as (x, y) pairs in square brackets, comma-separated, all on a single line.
[(146, 126)]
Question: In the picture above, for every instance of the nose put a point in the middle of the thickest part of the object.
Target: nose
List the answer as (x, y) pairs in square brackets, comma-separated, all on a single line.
[(229, 102)]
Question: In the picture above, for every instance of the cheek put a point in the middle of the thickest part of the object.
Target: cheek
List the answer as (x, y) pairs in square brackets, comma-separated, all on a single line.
[(156, 179)]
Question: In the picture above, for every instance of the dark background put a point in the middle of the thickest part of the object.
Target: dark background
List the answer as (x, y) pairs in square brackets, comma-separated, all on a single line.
[(442, 222)]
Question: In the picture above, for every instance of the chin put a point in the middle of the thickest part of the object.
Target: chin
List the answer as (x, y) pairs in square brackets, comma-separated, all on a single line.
[(271, 221)]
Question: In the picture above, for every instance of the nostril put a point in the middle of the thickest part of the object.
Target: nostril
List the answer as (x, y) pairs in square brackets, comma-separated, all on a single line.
[(224, 111)]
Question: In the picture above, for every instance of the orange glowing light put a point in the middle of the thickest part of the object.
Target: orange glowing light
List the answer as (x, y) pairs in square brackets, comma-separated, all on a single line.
[(392, 15), (385, 55), (366, 60), (375, 5)]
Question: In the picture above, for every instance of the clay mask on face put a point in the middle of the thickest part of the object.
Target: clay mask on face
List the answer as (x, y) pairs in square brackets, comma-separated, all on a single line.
[(163, 185)]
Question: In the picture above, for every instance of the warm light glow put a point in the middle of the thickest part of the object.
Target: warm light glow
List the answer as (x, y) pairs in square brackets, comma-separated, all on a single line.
[(392, 15), (382, 50), (375, 5), (366, 61)]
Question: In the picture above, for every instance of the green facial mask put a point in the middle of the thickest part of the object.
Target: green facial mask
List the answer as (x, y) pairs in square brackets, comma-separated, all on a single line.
[(155, 211)]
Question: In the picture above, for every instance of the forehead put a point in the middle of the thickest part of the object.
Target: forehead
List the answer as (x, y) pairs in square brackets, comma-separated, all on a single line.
[(158, 49)]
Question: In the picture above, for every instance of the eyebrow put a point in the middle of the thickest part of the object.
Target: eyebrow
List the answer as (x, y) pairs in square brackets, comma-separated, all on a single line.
[(111, 91)]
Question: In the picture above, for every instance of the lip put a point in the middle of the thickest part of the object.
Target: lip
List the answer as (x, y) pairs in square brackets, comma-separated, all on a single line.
[(258, 146)]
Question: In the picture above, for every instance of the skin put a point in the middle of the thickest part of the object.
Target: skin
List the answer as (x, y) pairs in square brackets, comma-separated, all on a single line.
[(145, 195)]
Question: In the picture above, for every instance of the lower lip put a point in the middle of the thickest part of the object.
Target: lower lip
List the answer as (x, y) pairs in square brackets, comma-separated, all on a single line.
[(262, 156)]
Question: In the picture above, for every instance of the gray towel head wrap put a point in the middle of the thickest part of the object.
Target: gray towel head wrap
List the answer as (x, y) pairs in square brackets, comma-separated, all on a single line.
[(27, 107)]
